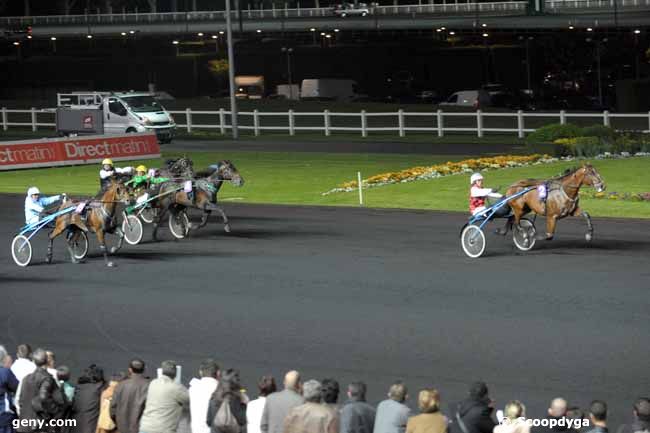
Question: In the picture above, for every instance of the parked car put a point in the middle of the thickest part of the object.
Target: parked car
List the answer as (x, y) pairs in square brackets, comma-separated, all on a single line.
[(468, 98), (350, 9)]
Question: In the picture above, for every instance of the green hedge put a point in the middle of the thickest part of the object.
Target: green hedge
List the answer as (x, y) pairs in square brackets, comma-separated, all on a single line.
[(590, 141)]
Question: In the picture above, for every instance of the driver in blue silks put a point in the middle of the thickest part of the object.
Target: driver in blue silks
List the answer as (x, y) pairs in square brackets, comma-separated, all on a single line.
[(35, 204)]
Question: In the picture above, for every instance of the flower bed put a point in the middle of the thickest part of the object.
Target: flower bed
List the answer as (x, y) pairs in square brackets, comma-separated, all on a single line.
[(626, 196), (446, 169)]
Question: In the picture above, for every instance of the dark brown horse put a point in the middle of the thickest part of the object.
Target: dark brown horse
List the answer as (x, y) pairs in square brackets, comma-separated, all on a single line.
[(561, 198), (203, 197), (100, 219)]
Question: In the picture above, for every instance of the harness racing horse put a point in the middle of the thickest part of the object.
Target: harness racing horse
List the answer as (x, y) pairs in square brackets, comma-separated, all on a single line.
[(174, 198), (561, 198), (100, 219)]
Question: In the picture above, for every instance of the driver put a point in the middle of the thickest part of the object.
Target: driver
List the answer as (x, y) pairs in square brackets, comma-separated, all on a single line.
[(109, 170), (35, 204), (478, 194)]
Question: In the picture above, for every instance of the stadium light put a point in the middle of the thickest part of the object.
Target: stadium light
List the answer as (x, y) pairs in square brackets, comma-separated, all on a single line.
[(452, 33), (589, 29), (485, 35), (17, 44), (336, 30), (89, 36), (53, 38), (175, 42), (123, 33), (199, 34), (637, 31), (214, 36), (132, 32)]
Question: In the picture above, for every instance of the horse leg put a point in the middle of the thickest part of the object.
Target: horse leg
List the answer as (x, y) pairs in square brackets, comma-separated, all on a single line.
[(120, 240), (226, 224), (551, 221), (156, 223), (590, 228), (50, 245), (102, 247)]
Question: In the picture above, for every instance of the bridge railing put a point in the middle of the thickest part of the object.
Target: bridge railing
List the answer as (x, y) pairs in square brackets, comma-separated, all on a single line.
[(282, 11), (437, 123), (572, 5)]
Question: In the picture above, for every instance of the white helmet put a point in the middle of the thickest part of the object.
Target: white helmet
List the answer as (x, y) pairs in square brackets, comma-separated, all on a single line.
[(475, 177), (33, 190)]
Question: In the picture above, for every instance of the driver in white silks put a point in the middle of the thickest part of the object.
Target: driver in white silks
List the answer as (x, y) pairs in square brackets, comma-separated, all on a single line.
[(478, 196)]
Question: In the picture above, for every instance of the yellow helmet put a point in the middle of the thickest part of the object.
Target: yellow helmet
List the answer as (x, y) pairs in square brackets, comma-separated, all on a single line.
[(141, 168), (107, 161)]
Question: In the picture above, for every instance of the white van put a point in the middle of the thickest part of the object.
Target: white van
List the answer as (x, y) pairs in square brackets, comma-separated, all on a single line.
[(468, 98), (333, 89), (125, 112)]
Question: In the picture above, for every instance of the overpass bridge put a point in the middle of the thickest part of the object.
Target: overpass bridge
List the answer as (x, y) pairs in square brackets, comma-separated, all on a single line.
[(551, 14)]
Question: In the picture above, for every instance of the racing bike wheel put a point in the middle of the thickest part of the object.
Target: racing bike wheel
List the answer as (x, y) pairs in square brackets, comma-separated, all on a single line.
[(524, 237), (179, 224), (80, 245), (472, 240), (132, 228), (21, 250), (148, 214)]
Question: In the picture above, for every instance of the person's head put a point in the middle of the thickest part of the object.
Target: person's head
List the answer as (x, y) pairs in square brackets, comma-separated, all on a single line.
[(514, 409), (574, 412), (51, 359), (136, 366), (229, 383), (141, 170), (266, 385), (63, 373), (312, 391), (642, 409), (4, 358), (598, 411), (107, 164), (168, 369), (209, 368), (24, 351), (429, 400), (330, 389), (118, 377), (478, 391), (476, 180), (92, 374), (34, 193), (39, 357), (357, 391), (292, 380), (398, 392), (558, 407)]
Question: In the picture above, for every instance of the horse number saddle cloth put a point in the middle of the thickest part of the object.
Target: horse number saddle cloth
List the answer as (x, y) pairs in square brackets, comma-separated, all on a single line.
[(542, 191)]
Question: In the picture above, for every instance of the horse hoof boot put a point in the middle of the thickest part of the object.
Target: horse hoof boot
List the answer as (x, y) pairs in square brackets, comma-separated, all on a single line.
[(500, 231), (48, 260), (589, 237), (226, 228), (113, 250), (110, 264)]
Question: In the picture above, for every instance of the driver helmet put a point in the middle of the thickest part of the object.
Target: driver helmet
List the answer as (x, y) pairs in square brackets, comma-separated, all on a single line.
[(475, 177), (141, 170), (33, 190)]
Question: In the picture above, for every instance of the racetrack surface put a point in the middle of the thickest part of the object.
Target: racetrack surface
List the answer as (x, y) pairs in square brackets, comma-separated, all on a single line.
[(353, 294)]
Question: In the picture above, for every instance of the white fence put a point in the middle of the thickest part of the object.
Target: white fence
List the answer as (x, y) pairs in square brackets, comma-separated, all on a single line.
[(439, 122)]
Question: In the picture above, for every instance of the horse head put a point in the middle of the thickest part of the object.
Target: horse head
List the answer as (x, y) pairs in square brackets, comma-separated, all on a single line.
[(182, 167), (592, 177), (226, 170), (117, 192)]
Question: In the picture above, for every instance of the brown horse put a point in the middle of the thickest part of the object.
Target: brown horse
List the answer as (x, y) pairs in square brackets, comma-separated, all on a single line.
[(204, 195), (561, 198), (100, 219)]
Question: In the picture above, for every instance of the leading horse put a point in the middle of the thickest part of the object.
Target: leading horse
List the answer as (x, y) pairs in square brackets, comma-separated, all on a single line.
[(203, 196), (100, 219), (555, 198)]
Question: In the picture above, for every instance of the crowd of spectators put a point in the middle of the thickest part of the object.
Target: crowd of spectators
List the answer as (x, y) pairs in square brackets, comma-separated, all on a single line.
[(34, 391)]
